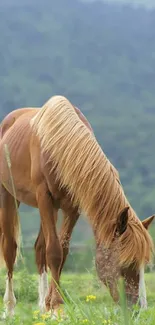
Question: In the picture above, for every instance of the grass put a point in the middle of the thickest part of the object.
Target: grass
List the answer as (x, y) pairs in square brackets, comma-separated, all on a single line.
[(86, 302)]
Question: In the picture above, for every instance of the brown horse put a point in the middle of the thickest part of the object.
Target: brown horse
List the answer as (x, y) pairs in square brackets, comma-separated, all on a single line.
[(66, 228), (57, 163)]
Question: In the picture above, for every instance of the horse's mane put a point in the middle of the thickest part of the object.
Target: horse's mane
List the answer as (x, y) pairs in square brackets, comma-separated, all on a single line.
[(92, 181)]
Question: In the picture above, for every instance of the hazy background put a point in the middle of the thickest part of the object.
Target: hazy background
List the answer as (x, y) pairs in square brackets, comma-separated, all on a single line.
[(101, 55), (135, 3)]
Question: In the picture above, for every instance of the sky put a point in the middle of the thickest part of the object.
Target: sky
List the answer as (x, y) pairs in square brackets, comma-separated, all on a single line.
[(146, 3)]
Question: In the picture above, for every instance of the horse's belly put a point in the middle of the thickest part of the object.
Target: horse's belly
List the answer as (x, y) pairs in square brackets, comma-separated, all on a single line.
[(27, 198), (22, 195)]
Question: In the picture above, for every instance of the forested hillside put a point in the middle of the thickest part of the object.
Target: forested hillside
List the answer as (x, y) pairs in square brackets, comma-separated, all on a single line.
[(102, 57)]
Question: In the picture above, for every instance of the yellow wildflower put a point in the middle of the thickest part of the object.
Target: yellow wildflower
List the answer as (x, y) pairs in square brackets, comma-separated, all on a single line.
[(36, 312), (90, 297), (45, 316), (85, 321), (105, 321), (39, 324)]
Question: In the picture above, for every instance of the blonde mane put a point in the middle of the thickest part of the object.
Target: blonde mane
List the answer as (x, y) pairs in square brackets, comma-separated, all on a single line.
[(90, 178)]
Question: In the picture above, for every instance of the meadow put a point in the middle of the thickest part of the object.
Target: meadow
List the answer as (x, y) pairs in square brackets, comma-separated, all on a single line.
[(86, 302)]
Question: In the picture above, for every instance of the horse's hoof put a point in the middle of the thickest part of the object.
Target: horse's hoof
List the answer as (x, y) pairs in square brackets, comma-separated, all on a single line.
[(8, 313)]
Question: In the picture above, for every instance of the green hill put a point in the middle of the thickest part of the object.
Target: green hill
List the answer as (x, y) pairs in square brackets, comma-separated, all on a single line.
[(102, 57)]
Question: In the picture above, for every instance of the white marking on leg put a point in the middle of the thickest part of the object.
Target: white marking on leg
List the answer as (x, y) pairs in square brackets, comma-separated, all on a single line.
[(142, 289), (9, 298), (43, 290)]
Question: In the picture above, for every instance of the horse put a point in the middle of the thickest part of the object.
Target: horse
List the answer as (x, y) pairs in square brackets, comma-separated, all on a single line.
[(67, 226), (57, 163)]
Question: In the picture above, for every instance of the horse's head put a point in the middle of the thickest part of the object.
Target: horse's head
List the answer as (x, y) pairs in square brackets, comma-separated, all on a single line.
[(110, 269)]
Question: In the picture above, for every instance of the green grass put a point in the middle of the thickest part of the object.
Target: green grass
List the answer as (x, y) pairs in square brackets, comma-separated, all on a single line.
[(76, 287)]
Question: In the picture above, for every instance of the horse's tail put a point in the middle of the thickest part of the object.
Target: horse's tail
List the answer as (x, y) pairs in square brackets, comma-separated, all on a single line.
[(17, 232), (1, 249)]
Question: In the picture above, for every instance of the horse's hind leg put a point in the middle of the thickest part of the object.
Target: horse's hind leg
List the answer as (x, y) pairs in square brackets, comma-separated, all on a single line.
[(40, 250), (9, 228)]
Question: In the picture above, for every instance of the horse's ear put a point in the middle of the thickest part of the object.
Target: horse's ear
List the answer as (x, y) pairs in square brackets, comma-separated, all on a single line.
[(146, 223), (122, 221)]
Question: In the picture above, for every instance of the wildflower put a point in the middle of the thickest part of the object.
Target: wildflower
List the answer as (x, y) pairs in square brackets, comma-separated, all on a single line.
[(85, 321), (90, 297), (107, 322), (39, 324), (60, 311), (45, 316), (36, 314)]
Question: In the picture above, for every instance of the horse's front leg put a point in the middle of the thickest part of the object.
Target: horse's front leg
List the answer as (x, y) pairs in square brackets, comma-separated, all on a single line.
[(40, 251), (68, 224), (53, 247)]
